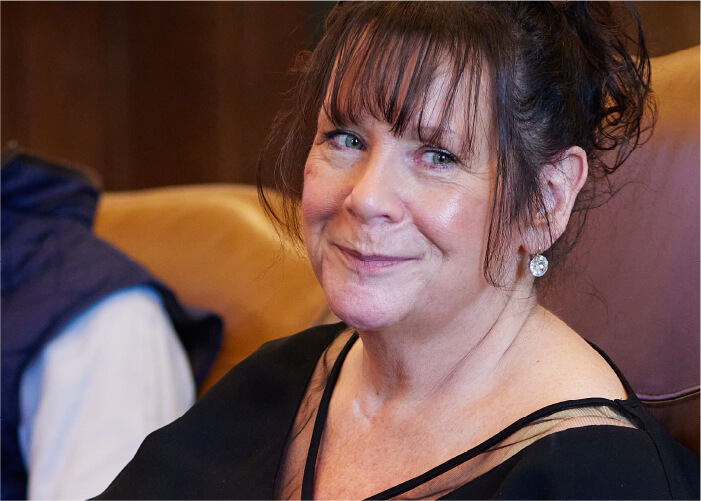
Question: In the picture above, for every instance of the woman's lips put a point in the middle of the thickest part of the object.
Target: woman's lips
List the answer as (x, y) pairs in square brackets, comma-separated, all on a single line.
[(371, 262)]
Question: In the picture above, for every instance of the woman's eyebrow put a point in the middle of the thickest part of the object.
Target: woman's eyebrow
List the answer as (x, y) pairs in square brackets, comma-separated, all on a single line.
[(435, 130), (328, 116), (462, 145), (444, 134)]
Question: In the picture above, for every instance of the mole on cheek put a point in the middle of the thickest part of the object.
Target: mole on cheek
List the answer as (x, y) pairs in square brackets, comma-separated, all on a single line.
[(308, 171)]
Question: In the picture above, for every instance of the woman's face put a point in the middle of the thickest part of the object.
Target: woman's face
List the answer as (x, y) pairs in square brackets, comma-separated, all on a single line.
[(396, 229)]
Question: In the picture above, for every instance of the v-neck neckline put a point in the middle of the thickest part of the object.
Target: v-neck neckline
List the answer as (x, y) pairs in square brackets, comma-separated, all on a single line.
[(320, 421), (308, 478)]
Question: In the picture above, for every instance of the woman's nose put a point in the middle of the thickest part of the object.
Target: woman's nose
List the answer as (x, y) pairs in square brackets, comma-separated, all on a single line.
[(375, 194)]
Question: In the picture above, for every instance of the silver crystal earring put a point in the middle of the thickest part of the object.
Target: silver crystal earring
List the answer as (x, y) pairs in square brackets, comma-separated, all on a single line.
[(539, 265)]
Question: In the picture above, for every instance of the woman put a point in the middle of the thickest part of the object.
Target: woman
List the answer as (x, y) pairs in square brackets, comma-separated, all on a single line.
[(434, 152)]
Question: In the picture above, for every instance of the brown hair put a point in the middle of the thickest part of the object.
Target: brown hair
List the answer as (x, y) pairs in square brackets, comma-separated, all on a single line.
[(560, 75)]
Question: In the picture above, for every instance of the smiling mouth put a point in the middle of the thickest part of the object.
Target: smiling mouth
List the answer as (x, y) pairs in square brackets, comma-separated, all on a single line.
[(371, 262)]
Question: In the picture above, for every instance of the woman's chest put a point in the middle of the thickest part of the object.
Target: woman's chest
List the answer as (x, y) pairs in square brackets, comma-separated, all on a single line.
[(359, 458)]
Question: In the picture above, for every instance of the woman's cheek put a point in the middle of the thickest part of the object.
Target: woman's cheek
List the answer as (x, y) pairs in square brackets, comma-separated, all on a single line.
[(317, 210), (322, 195), (451, 208), (448, 216)]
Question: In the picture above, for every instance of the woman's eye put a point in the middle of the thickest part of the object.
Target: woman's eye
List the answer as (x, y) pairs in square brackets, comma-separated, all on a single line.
[(439, 158), (352, 142), (342, 139)]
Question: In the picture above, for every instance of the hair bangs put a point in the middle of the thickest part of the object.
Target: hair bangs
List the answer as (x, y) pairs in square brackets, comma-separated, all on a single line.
[(391, 73)]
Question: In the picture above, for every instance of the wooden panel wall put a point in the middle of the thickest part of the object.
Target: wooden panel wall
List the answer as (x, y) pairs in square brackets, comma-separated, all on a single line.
[(670, 26), (176, 92), (148, 93)]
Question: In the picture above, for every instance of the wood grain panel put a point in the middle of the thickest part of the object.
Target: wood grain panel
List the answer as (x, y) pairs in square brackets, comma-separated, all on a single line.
[(148, 93), (162, 93), (53, 78)]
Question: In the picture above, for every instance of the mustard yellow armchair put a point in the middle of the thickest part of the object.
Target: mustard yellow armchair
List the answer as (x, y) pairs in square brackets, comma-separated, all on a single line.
[(215, 247)]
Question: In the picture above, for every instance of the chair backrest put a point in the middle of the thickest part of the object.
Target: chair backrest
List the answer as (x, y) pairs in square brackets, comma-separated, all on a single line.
[(632, 281)]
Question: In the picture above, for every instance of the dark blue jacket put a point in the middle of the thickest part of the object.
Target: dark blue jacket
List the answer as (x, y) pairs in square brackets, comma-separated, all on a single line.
[(53, 269)]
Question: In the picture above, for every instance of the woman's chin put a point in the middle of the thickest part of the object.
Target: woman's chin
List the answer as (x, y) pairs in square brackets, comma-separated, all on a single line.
[(362, 324), (365, 316)]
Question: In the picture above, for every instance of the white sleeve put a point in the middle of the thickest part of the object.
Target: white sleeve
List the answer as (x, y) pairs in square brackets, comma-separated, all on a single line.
[(112, 376)]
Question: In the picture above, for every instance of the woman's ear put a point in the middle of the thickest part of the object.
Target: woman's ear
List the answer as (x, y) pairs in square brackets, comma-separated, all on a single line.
[(560, 183)]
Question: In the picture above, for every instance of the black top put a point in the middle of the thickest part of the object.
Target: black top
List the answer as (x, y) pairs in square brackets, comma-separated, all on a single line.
[(230, 445)]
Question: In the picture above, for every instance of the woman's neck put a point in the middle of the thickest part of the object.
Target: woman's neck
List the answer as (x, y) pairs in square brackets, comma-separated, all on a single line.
[(464, 355)]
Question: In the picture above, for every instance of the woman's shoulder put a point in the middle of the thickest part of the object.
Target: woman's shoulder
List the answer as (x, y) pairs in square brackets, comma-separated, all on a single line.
[(566, 365), (587, 460), (592, 462), (275, 373)]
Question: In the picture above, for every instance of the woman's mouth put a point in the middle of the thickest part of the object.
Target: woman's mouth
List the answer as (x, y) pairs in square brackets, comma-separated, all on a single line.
[(371, 262)]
